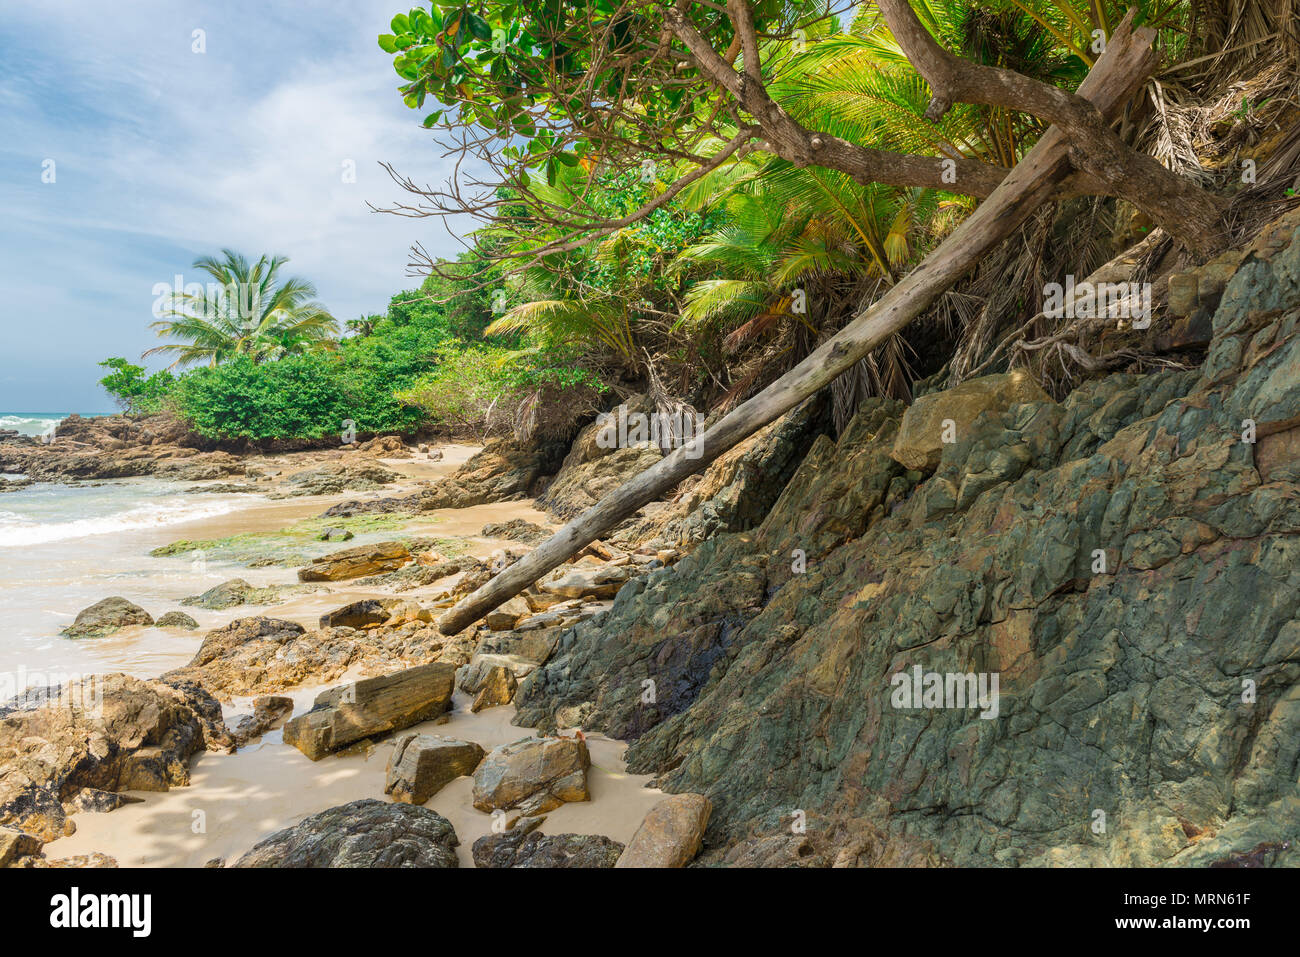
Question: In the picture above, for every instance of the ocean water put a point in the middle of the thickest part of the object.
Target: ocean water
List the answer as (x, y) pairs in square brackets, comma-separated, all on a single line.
[(63, 548), (30, 423)]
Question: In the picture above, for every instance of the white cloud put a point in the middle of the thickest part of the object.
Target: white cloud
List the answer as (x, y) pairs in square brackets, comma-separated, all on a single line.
[(164, 154)]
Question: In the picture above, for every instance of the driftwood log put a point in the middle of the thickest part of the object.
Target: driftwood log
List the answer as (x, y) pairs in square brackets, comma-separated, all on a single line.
[(1039, 178)]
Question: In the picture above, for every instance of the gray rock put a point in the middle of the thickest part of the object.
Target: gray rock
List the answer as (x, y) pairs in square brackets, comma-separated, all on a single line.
[(177, 619), (365, 833), (105, 617), (521, 847)]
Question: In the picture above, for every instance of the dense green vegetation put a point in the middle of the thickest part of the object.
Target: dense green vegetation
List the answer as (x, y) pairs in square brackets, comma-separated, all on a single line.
[(634, 237)]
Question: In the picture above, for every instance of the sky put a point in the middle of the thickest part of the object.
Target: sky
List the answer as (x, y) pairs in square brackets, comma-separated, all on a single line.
[(160, 153)]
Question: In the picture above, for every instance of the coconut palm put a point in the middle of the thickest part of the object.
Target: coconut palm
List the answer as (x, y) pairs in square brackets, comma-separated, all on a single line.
[(247, 311)]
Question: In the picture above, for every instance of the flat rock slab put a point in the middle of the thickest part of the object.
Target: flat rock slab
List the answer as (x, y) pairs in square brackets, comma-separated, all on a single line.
[(520, 847), (346, 714), (535, 775), (671, 833), (423, 764), (366, 833), (355, 562)]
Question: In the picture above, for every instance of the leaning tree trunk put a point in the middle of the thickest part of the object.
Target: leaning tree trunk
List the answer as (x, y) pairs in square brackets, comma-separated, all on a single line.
[(1035, 181)]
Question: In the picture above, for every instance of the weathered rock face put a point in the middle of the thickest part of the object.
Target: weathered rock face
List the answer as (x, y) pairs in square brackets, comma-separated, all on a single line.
[(371, 707), (597, 464), (366, 833), (498, 688), (105, 617), (236, 592), (1122, 562), (15, 844), (423, 764), (265, 655), (670, 834), (735, 492), (942, 417), (504, 470), (108, 732), (355, 562), (521, 847), (335, 477), (582, 580), (516, 530), (535, 775)]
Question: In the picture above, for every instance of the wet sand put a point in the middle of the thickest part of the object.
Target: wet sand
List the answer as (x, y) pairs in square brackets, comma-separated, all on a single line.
[(236, 800)]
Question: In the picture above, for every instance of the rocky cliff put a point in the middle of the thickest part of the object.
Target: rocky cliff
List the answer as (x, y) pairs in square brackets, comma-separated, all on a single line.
[(1092, 605)]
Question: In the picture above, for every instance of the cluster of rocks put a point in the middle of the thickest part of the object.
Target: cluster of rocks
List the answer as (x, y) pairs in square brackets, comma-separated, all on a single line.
[(1122, 561), (111, 614)]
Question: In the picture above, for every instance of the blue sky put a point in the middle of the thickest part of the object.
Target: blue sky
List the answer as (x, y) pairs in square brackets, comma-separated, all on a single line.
[(162, 154)]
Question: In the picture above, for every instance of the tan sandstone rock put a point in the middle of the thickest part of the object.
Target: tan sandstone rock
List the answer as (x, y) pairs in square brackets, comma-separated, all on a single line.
[(356, 562), (671, 833), (349, 713), (535, 775)]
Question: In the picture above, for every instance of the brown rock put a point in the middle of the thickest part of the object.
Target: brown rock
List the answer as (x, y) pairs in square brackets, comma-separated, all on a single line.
[(373, 706), (423, 764), (535, 774), (15, 844), (671, 833), (356, 562), (920, 444), (498, 688)]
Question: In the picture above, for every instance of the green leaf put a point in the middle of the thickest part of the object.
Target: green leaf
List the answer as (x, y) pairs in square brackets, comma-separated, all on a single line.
[(432, 118), (478, 26), (388, 43), (401, 24)]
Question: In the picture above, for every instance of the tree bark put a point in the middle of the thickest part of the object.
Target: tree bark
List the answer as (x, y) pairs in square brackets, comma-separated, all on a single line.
[(1036, 180), (1186, 212)]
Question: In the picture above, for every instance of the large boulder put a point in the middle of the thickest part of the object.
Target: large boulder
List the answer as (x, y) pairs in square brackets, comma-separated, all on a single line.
[(941, 418), (371, 707), (107, 732), (365, 833), (525, 848), (670, 834), (422, 764), (535, 775), (105, 617), (355, 562)]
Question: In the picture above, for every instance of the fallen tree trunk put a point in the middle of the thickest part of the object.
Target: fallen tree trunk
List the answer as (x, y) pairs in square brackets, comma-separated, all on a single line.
[(1035, 181)]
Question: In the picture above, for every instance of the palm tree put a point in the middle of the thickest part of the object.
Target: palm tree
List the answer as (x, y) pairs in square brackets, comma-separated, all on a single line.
[(247, 311)]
